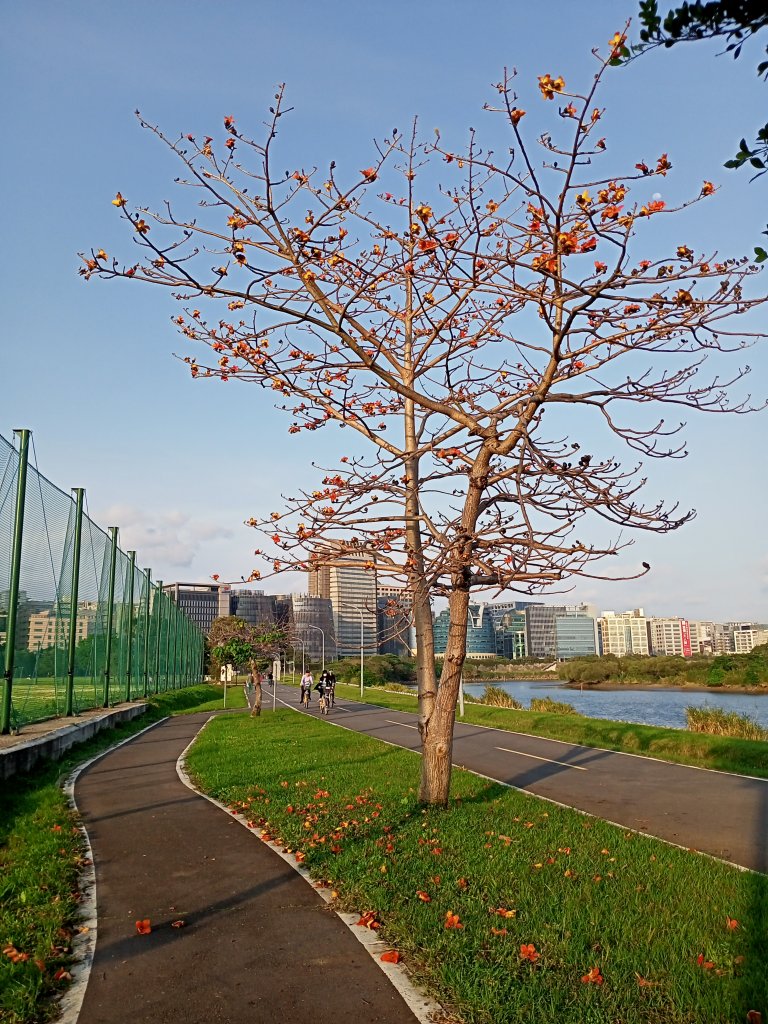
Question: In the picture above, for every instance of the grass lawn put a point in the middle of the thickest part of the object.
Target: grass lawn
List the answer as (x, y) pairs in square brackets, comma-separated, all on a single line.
[(507, 908), (723, 753), (40, 852)]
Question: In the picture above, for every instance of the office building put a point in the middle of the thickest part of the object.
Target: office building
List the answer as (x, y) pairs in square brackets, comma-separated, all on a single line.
[(481, 636), (254, 606), (202, 602), (575, 634), (541, 630)]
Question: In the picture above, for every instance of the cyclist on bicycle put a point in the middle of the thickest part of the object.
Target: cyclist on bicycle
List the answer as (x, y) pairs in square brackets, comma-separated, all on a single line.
[(306, 687), (322, 688), (330, 687)]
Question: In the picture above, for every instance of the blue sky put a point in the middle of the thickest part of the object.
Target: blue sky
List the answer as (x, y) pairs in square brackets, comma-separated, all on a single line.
[(179, 465)]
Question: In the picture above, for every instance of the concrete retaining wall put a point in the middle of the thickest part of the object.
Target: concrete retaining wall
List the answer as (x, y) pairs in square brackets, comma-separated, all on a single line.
[(28, 749)]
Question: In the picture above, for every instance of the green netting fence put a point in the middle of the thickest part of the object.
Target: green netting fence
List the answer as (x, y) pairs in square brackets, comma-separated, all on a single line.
[(81, 625)]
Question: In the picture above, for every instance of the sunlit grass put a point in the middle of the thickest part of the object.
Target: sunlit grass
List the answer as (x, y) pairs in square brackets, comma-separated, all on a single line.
[(677, 938)]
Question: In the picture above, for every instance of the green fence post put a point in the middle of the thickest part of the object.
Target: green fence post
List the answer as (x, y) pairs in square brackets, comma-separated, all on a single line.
[(176, 618), (69, 703), (146, 631), (110, 613), (13, 590), (131, 586), (168, 642), (157, 613)]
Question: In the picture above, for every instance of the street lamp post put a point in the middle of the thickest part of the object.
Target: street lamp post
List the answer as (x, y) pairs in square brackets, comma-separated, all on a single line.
[(307, 625), (362, 636)]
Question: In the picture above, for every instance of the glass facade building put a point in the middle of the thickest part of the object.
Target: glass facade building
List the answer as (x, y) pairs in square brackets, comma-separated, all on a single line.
[(576, 635)]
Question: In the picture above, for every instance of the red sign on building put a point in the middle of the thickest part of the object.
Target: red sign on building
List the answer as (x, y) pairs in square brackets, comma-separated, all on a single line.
[(685, 632)]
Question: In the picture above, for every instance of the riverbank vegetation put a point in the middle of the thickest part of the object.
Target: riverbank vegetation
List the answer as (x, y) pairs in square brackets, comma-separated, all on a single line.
[(507, 908), (748, 671), (718, 722)]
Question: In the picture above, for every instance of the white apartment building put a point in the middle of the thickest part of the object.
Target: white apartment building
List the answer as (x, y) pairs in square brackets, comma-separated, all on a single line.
[(745, 638), (47, 629), (669, 636), (702, 637), (624, 633)]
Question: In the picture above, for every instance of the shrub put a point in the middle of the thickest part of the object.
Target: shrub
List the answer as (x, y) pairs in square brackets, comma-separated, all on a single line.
[(555, 707), (499, 698), (724, 723)]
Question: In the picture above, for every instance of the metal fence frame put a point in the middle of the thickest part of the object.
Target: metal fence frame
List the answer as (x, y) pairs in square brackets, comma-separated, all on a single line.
[(142, 643)]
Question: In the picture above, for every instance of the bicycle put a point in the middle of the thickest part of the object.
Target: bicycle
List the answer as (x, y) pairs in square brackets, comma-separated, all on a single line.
[(305, 698)]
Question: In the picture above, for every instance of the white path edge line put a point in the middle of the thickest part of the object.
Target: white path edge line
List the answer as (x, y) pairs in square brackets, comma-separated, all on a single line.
[(536, 757), (424, 1009), (84, 943), (405, 725)]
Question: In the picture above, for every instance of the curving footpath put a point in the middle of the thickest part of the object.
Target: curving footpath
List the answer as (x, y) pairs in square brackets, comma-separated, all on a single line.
[(258, 944)]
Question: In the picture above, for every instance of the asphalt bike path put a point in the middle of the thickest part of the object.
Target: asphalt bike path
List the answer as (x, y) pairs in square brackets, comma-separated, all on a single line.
[(714, 812), (258, 944)]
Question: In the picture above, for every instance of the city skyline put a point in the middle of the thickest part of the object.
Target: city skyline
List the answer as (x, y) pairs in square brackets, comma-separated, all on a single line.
[(179, 466)]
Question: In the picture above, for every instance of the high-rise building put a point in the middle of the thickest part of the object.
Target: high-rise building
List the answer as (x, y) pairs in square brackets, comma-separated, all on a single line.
[(313, 625), (623, 634), (351, 589), (395, 621)]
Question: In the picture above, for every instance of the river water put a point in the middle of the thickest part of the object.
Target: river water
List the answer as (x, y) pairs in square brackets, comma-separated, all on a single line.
[(645, 707)]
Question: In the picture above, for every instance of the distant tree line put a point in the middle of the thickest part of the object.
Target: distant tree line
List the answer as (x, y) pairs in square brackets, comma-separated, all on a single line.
[(725, 670)]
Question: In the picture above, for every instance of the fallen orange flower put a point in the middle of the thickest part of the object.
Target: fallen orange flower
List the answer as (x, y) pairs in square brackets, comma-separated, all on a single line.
[(593, 977), (368, 920), (143, 927), (498, 931), (731, 924), (423, 896), (702, 962), (452, 920), (503, 912), (390, 957), (528, 952)]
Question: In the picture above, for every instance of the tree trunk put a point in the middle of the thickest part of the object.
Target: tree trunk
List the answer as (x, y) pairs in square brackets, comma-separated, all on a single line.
[(437, 732)]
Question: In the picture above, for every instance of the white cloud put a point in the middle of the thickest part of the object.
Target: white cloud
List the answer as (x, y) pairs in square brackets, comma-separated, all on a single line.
[(165, 538)]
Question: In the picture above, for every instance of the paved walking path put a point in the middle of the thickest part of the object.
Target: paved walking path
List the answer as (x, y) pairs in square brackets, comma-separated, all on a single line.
[(714, 812), (259, 943)]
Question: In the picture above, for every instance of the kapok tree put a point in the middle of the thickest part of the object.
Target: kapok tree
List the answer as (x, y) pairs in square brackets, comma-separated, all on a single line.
[(439, 319)]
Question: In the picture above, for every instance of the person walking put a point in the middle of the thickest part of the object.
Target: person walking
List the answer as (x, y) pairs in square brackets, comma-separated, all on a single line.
[(252, 683)]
